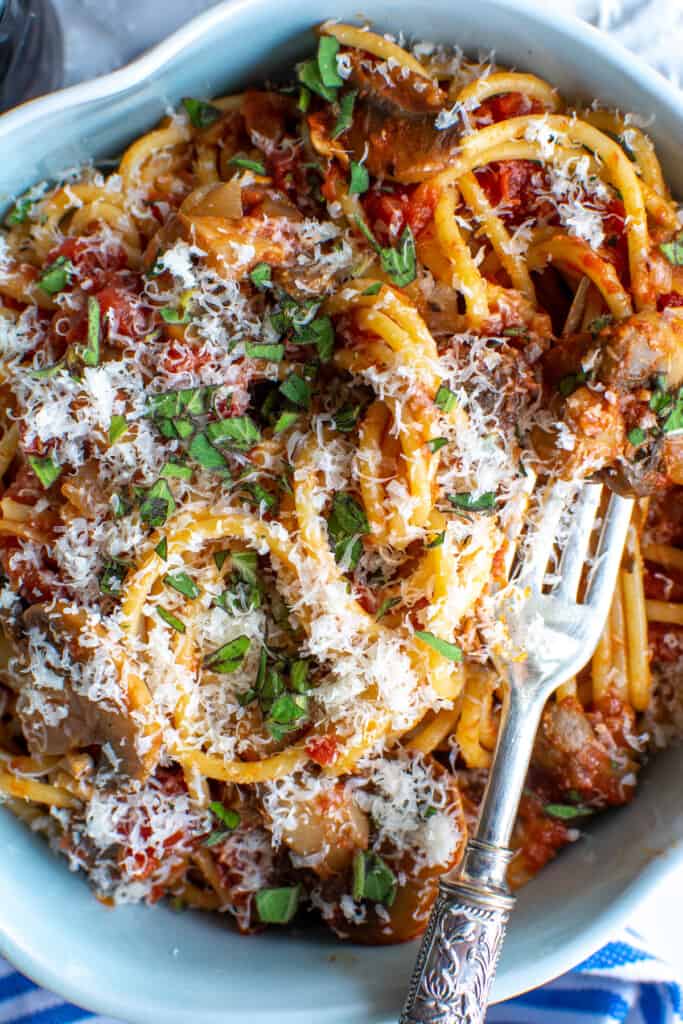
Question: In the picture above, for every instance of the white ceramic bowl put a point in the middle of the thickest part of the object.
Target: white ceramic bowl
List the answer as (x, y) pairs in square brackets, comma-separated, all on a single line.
[(150, 965)]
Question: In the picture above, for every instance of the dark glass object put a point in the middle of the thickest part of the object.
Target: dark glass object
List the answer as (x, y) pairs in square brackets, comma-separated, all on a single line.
[(31, 53)]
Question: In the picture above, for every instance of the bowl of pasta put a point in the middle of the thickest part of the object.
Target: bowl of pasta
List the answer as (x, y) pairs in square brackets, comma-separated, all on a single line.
[(299, 320)]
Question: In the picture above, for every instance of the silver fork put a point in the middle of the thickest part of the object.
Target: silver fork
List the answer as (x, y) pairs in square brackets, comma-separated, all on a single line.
[(460, 948)]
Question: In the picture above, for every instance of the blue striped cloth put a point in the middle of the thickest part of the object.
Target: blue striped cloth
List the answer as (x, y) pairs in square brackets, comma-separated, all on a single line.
[(621, 984)]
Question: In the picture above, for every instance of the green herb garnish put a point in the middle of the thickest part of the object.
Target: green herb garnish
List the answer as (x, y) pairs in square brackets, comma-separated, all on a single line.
[(113, 575), (201, 113), (91, 354), (346, 524), (117, 428), (673, 250), (229, 657), (46, 469), (445, 399), (56, 276), (345, 115), (236, 431), (297, 390), (636, 436), (567, 811), (183, 583), (387, 604), (399, 263), (260, 276), (278, 906), (435, 444), (284, 421), (359, 179), (176, 470), (273, 353), (373, 879), (158, 505), (345, 419), (442, 647), (465, 501), (203, 452), (248, 165), (170, 619)]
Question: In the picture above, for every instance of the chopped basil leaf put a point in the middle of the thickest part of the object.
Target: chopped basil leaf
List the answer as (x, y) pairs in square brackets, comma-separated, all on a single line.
[(636, 436), (346, 524), (219, 558), (225, 815), (660, 401), (567, 811), (284, 421), (309, 75), (373, 289), (46, 469), (245, 564), (260, 276), (345, 116), (399, 263), (205, 454), (515, 331), (117, 428), (328, 48), (91, 354), (261, 496), (183, 583), (278, 906), (19, 211), (56, 276), (673, 250), (229, 657), (359, 180), (445, 399), (162, 549), (289, 708), (236, 431), (201, 113), (158, 505), (570, 383), (183, 428), (304, 100), (297, 391), (273, 353), (387, 604), (173, 316), (674, 421), (438, 540), (373, 879), (442, 647), (248, 165), (113, 575), (483, 503), (298, 675), (318, 332), (119, 506), (435, 444), (170, 619), (177, 470), (346, 418)]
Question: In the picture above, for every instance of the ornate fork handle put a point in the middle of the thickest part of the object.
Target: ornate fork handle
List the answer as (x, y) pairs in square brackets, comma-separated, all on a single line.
[(460, 949)]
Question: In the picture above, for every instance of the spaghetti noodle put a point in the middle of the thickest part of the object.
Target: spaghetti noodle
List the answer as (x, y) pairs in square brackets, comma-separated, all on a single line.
[(280, 394)]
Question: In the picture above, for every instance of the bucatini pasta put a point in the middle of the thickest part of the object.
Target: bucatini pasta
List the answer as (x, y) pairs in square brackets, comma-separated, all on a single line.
[(280, 395)]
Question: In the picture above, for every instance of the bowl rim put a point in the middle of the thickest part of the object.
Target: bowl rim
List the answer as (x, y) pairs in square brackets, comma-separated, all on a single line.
[(131, 77)]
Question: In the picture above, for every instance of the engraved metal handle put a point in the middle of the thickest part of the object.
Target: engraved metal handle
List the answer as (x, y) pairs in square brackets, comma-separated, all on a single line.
[(460, 949)]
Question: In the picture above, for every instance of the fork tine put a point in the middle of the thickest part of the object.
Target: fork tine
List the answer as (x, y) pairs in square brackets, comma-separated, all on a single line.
[(578, 541), (608, 557), (544, 535)]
